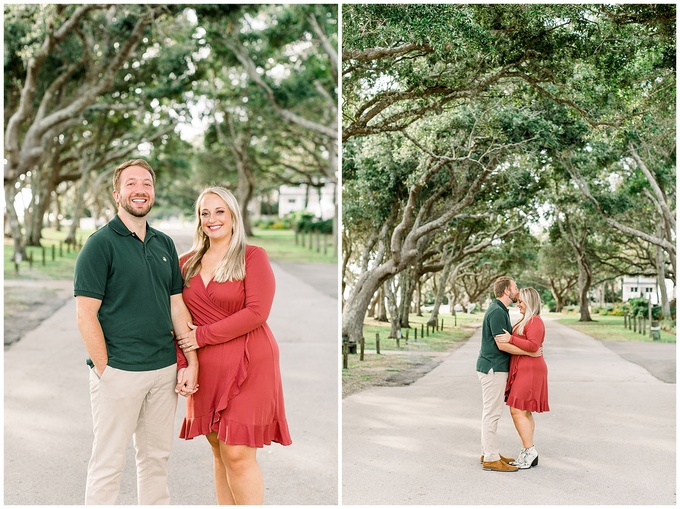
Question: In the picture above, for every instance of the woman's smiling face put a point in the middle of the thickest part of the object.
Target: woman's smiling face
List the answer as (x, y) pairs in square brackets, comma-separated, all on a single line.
[(216, 218)]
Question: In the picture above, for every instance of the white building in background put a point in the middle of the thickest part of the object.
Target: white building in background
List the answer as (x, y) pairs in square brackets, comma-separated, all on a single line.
[(647, 287), (317, 201)]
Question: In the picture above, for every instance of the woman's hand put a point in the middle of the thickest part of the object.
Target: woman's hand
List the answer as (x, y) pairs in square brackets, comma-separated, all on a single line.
[(187, 341), (187, 381), (501, 338)]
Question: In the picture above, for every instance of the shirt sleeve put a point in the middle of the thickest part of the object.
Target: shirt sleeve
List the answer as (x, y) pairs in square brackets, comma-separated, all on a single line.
[(259, 286), (534, 333), (91, 270), (498, 320)]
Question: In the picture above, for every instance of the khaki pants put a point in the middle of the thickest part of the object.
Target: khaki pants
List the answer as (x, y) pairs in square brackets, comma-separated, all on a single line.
[(137, 404), (493, 401)]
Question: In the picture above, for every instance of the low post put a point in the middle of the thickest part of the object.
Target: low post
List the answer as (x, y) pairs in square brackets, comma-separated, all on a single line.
[(634, 323), (54, 253), (407, 331), (655, 330), (398, 346), (377, 343), (643, 329), (422, 331), (442, 327), (363, 344), (43, 256), (17, 261), (625, 320), (61, 252), (415, 333), (345, 354)]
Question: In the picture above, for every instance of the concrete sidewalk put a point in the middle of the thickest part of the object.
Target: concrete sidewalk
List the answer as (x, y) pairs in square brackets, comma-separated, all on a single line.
[(48, 424), (610, 437)]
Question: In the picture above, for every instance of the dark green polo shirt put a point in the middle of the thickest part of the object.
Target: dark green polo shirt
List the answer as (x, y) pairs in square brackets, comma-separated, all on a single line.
[(490, 357), (134, 280)]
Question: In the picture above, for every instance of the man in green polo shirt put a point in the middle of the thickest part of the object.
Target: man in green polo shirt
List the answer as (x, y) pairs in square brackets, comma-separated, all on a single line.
[(128, 289), (492, 368)]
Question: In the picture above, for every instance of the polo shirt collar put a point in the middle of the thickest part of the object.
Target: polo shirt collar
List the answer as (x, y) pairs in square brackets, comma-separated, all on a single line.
[(500, 303), (119, 227)]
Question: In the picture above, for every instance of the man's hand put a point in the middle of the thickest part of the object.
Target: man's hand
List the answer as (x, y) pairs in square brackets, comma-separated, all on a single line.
[(187, 380), (537, 353)]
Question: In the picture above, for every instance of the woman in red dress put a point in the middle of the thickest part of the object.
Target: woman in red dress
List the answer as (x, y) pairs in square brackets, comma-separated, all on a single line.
[(229, 288), (527, 387)]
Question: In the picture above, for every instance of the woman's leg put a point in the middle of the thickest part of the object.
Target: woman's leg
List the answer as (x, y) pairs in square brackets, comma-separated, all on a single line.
[(243, 474), (525, 425), (222, 490)]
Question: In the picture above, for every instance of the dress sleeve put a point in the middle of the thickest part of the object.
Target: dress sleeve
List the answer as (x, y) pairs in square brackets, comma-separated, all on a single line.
[(259, 286), (534, 333)]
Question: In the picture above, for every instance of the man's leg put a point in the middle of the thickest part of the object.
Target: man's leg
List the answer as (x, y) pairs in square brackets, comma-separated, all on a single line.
[(154, 436), (116, 401), (493, 392)]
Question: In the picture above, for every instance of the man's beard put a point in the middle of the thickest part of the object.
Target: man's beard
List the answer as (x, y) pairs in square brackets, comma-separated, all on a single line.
[(137, 212)]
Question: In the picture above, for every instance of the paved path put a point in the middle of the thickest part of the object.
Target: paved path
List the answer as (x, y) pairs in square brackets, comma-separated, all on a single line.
[(48, 424), (609, 439)]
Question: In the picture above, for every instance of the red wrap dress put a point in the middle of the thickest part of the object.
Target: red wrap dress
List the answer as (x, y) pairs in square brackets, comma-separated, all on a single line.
[(527, 387), (240, 394)]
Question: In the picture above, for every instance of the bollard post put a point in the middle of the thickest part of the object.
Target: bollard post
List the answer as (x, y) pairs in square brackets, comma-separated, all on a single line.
[(54, 248), (345, 355), (643, 329), (415, 333), (363, 345), (30, 259), (61, 252), (407, 331), (442, 327), (625, 320), (377, 343), (422, 331), (43, 256)]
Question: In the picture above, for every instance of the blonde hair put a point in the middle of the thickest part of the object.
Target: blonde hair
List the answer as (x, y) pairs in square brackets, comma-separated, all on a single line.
[(532, 301), (232, 267)]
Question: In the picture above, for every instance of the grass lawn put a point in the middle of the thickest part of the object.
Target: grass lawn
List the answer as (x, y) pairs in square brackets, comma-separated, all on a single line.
[(280, 245), (412, 359), (610, 328)]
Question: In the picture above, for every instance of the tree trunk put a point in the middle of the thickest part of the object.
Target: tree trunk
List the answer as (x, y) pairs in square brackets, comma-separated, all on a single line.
[(407, 288), (393, 309), (13, 220), (360, 297), (381, 313), (661, 275), (585, 279)]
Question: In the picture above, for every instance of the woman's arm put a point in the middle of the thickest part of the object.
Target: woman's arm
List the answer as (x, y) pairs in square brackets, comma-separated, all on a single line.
[(259, 288), (534, 333), (515, 350)]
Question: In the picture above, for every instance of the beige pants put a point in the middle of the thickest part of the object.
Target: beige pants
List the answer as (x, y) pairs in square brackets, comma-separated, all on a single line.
[(137, 404), (493, 401)]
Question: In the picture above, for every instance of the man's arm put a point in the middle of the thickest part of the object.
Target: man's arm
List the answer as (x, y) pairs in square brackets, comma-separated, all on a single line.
[(187, 378), (91, 331)]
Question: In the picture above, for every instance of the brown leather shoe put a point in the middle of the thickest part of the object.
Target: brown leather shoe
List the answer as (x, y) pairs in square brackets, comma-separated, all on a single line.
[(503, 458), (498, 466)]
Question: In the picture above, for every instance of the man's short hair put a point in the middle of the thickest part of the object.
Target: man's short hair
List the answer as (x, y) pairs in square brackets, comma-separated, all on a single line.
[(127, 164), (501, 284)]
